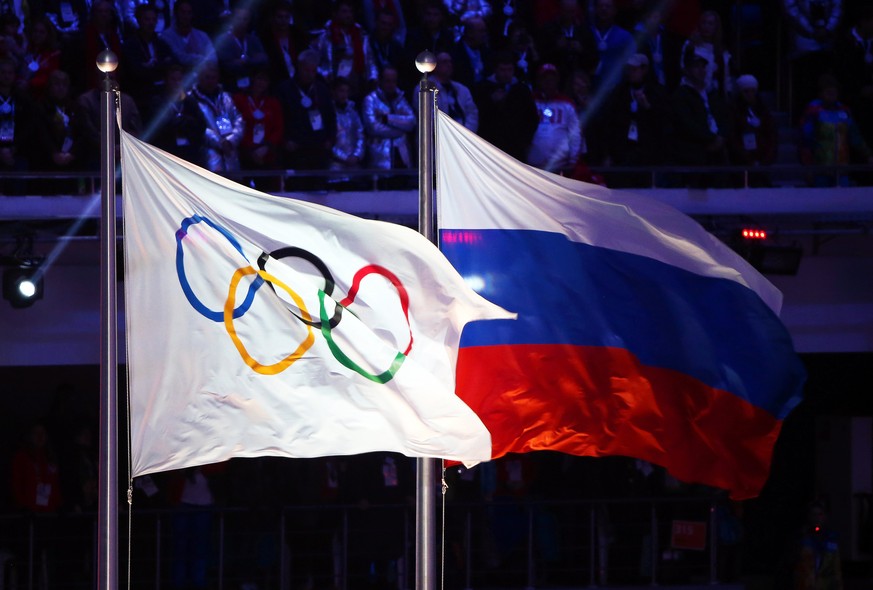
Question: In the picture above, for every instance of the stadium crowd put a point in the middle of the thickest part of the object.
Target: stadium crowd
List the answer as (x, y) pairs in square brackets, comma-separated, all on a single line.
[(564, 85)]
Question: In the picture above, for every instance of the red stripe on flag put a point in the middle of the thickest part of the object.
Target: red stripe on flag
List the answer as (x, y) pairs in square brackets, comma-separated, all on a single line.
[(599, 401)]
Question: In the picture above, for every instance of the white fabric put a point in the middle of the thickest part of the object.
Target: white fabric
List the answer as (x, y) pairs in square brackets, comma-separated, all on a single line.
[(480, 187), (193, 398)]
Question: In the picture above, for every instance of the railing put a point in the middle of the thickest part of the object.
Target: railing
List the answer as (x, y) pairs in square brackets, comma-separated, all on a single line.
[(503, 543), (282, 180)]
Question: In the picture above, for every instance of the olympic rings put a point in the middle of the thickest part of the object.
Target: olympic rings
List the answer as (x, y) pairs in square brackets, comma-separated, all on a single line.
[(401, 292), (231, 330), (345, 361), (324, 323), (215, 316), (290, 252)]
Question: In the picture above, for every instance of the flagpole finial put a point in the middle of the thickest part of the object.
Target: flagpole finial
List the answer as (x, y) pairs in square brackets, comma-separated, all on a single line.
[(107, 61), (425, 62)]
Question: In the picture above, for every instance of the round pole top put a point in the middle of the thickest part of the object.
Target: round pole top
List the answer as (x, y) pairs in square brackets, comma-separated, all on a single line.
[(107, 61), (425, 62)]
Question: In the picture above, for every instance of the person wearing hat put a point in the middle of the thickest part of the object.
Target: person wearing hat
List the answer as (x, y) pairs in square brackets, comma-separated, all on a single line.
[(557, 140), (634, 120), (753, 133), (707, 41), (700, 123)]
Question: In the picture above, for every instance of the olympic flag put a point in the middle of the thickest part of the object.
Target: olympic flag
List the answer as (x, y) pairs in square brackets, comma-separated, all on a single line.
[(259, 325), (638, 333)]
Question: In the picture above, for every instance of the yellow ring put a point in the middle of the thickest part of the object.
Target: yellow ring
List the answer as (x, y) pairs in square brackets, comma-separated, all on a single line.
[(228, 323)]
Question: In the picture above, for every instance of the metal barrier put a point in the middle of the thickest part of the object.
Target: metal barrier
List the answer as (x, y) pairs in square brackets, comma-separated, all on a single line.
[(283, 180), (503, 543)]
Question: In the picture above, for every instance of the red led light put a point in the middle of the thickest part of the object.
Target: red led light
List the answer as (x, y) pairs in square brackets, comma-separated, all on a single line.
[(755, 234)]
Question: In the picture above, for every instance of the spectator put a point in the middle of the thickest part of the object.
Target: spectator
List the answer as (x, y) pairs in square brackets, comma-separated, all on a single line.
[(15, 129), (101, 33), (813, 28), (853, 60), (521, 44), (462, 11), (635, 116), (69, 18), (310, 120), (818, 565), (282, 42), (211, 16), (579, 90), (35, 474), (567, 41), (194, 496), (56, 147), (501, 98), (382, 487), (175, 123), (43, 56), (191, 46), (264, 125), (614, 46), (12, 42), (431, 32), (557, 140), (240, 53), (700, 122), (36, 489), (753, 132), (130, 21), (470, 53), (660, 46), (830, 136), (345, 51), (454, 98), (348, 149), (706, 40), (87, 122), (145, 57), (372, 10), (512, 13), (224, 124), (388, 120), (384, 46)]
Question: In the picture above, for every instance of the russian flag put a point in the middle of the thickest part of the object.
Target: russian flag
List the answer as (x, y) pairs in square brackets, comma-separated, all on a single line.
[(638, 332)]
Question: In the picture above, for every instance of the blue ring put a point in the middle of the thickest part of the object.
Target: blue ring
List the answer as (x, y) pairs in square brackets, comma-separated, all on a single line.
[(215, 316)]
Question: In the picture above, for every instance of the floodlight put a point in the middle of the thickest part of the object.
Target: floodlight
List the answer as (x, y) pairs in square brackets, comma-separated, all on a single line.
[(22, 286)]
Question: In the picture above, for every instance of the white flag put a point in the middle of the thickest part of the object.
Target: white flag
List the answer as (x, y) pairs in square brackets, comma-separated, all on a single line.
[(260, 325)]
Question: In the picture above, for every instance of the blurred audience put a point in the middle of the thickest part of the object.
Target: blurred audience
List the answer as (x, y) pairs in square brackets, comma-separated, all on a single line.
[(489, 54)]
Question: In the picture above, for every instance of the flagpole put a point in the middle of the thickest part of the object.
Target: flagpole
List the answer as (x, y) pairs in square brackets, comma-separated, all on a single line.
[(428, 469), (107, 505)]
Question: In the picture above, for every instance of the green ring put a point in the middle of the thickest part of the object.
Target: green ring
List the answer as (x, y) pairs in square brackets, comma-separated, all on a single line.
[(383, 377)]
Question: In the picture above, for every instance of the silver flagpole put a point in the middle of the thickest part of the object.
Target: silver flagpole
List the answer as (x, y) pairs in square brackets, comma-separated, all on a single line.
[(107, 506), (428, 469)]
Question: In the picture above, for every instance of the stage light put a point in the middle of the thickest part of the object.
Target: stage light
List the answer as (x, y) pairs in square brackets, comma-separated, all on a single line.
[(22, 286), (754, 234)]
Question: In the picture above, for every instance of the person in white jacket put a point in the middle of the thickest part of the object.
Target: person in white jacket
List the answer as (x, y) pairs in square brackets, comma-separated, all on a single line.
[(557, 140), (388, 119)]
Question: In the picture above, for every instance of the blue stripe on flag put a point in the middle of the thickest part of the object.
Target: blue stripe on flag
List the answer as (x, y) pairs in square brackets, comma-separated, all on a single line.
[(715, 330)]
